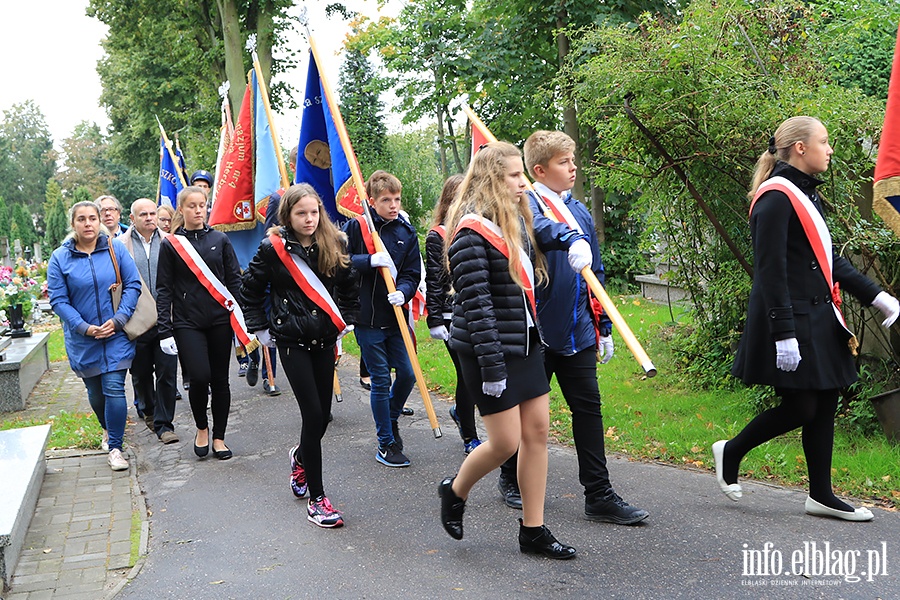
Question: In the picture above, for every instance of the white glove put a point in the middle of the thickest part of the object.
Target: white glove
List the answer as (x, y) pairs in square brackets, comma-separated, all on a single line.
[(888, 306), (396, 298), (440, 333), (580, 255), (168, 346), (787, 354), (264, 338), (606, 348), (493, 388), (346, 330), (380, 259)]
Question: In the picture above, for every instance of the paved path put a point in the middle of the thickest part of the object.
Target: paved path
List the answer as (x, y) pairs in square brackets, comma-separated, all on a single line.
[(233, 529)]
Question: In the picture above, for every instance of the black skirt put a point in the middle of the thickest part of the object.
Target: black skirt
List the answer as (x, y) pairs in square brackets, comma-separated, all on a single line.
[(525, 379)]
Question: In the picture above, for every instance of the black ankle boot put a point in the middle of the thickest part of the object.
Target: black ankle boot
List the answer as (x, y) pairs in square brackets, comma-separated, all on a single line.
[(539, 540), (452, 508)]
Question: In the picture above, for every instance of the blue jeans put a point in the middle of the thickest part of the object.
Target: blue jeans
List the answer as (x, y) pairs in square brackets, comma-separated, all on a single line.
[(106, 393), (383, 349)]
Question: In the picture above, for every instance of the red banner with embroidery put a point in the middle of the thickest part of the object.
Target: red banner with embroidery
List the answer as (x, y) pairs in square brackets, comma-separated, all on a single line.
[(308, 282), (234, 206), (490, 232), (816, 232), (215, 288)]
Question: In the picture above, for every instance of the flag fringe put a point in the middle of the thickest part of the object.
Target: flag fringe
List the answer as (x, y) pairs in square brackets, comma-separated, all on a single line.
[(885, 189), (225, 227)]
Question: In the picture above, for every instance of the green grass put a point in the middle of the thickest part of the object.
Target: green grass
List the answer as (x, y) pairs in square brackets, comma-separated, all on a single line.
[(664, 419), (56, 346), (67, 430)]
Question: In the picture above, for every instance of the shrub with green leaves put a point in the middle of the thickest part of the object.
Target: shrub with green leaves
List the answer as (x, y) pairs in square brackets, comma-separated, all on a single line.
[(711, 88)]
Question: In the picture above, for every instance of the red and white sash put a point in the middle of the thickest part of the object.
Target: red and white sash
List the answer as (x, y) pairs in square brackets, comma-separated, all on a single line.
[(816, 231), (309, 283), (215, 288), (558, 207), (489, 231)]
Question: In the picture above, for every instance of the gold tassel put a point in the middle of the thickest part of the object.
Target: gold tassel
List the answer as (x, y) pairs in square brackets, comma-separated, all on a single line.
[(853, 344)]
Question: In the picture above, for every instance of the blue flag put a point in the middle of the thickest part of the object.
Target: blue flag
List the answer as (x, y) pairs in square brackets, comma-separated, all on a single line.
[(169, 182), (266, 178), (321, 160)]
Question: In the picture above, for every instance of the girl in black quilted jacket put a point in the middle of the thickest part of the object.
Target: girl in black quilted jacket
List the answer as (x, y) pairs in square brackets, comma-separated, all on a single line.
[(493, 264)]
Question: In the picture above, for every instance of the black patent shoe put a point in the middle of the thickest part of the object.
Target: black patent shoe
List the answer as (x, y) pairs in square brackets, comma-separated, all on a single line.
[(543, 542), (452, 508)]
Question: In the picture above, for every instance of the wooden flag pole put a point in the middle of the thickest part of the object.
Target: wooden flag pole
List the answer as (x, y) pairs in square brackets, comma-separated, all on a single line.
[(593, 283), (285, 183), (379, 245)]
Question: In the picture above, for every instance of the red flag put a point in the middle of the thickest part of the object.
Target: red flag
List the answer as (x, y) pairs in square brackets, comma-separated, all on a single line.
[(234, 206), (480, 137), (887, 168)]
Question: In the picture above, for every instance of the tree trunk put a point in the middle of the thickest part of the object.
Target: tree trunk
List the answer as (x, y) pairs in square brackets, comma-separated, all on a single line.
[(440, 136), (598, 195), (234, 52), (570, 116), (453, 144), (265, 37)]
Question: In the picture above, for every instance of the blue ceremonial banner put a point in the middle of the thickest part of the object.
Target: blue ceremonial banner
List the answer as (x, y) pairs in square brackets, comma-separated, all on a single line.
[(321, 160), (266, 173), (169, 182)]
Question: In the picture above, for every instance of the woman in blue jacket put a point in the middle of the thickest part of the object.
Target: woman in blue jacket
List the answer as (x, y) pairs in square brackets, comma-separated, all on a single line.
[(79, 278)]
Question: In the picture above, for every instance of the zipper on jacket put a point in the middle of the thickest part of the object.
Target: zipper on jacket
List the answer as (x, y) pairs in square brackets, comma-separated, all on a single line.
[(90, 258), (575, 311)]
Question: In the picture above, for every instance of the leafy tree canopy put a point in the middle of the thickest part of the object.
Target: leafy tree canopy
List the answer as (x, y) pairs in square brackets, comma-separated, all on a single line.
[(28, 159)]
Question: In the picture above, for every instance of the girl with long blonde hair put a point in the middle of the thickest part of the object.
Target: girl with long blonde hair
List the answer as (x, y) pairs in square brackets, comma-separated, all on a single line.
[(492, 256)]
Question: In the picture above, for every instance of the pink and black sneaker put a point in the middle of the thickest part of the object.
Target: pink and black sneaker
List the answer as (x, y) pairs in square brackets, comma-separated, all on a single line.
[(298, 475), (322, 513)]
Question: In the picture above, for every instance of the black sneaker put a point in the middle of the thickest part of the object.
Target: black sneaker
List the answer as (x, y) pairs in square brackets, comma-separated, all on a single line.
[(391, 456), (272, 390), (455, 418), (613, 510), (510, 492), (252, 374), (407, 412), (395, 429)]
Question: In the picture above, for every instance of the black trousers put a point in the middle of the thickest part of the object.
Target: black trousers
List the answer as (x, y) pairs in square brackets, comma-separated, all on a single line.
[(156, 397), (207, 354), (311, 375), (577, 379)]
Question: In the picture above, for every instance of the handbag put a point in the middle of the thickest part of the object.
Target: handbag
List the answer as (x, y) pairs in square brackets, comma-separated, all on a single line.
[(144, 317)]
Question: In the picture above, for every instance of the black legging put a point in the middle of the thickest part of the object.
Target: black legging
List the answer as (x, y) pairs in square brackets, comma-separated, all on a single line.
[(207, 354), (465, 404), (311, 375), (813, 410)]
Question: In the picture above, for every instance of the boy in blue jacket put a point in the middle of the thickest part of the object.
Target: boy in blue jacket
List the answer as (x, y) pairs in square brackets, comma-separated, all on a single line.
[(377, 330), (575, 335)]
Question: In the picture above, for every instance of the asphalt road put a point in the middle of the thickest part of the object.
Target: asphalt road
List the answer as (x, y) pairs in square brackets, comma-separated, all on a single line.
[(232, 529)]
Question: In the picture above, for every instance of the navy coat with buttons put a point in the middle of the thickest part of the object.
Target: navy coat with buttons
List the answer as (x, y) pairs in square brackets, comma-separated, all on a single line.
[(790, 298)]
